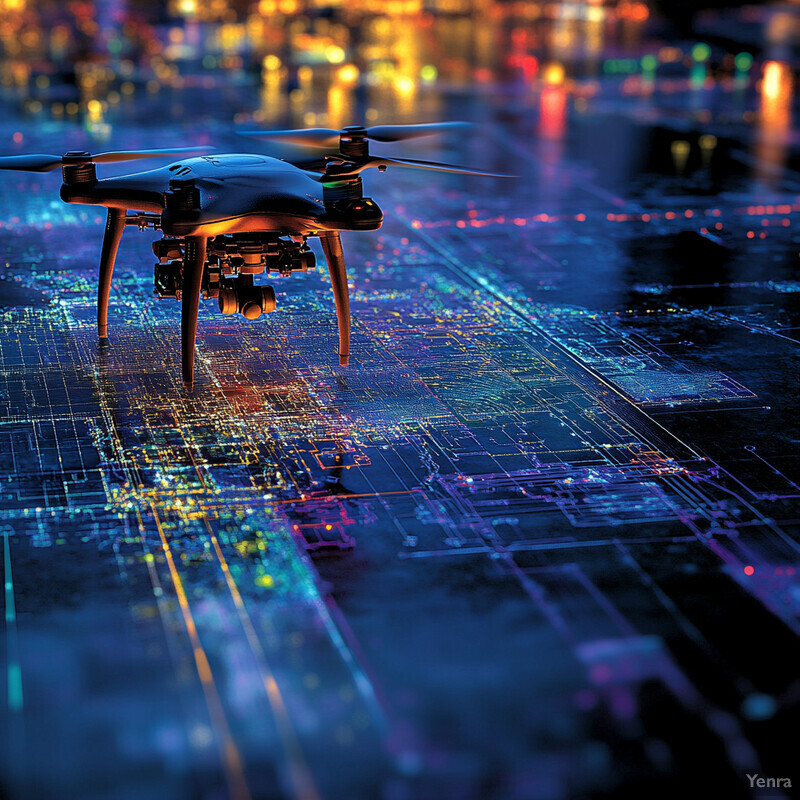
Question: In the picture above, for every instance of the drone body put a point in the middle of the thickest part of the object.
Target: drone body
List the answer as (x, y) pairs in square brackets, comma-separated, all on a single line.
[(215, 195), (226, 219)]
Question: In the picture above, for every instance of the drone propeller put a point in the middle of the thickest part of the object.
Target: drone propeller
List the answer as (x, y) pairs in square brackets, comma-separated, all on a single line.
[(328, 138), (346, 170), (348, 150), (40, 162)]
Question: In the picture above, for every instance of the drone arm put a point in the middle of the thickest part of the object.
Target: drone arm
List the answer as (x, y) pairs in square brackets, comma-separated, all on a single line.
[(193, 263), (115, 224), (334, 255)]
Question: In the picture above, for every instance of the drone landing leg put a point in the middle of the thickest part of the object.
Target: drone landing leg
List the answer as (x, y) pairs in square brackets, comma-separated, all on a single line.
[(194, 259), (334, 255), (115, 224)]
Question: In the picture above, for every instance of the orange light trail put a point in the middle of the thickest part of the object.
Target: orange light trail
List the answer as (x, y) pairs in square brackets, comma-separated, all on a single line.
[(231, 759), (302, 780)]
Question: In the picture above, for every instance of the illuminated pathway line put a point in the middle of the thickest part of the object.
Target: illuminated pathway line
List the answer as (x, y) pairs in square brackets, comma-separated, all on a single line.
[(669, 439), (302, 781), (12, 642), (232, 761)]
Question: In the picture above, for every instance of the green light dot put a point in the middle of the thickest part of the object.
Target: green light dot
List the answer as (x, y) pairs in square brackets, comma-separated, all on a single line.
[(14, 687), (697, 76), (649, 63), (744, 61), (701, 51), (428, 73)]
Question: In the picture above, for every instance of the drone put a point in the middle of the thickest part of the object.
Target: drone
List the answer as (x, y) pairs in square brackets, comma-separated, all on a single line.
[(227, 218)]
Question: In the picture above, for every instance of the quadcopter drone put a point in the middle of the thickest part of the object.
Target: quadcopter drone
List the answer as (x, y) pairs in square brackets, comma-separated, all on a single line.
[(228, 218)]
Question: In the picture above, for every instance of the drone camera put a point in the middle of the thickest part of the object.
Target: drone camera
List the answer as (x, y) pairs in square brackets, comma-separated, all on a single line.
[(240, 296), (232, 261), (168, 279), (168, 273)]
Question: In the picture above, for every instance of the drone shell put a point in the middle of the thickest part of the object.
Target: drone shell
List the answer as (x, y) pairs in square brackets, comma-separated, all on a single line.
[(238, 193)]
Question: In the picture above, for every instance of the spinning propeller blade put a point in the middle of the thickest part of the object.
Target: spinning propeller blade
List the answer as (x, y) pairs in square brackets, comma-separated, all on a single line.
[(437, 166), (348, 146), (131, 155), (399, 133), (329, 138), (440, 167), (41, 162), (313, 137), (35, 162)]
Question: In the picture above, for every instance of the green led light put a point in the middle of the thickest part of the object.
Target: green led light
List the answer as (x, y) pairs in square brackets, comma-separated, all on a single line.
[(649, 63), (14, 687), (615, 66), (744, 61), (701, 51), (697, 76)]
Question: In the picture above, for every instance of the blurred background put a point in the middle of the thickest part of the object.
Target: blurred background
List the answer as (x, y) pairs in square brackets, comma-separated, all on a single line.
[(100, 65)]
